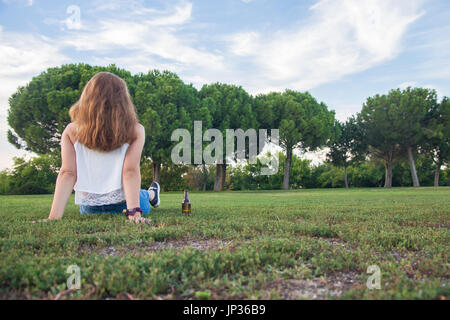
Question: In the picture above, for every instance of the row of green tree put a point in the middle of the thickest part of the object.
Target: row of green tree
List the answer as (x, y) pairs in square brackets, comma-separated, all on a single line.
[(401, 125), (397, 126), (38, 175)]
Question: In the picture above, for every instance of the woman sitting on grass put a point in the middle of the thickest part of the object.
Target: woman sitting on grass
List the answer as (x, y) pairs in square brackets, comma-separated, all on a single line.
[(101, 150)]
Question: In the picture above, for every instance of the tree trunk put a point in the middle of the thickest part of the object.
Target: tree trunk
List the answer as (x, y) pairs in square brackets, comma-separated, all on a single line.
[(388, 175), (415, 179), (436, 174), (345, 177), (220, 179), (287, 168), (224, 176), (205, 177), (157, 172)]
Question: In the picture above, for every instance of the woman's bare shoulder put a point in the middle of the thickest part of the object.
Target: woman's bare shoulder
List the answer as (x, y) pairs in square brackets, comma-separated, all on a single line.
[(139, 130), (71, 131)]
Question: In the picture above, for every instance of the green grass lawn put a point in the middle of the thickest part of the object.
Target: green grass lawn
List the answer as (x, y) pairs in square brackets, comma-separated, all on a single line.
[(312, 244)]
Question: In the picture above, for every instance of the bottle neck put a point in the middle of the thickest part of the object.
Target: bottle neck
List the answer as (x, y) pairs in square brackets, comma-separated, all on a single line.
[(186, 197)]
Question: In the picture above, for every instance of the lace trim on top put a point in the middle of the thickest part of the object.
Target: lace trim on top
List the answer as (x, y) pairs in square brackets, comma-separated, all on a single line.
[(95, 199)]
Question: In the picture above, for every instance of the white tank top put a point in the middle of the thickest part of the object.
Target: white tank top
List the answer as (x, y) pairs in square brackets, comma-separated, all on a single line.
[(99, 175)]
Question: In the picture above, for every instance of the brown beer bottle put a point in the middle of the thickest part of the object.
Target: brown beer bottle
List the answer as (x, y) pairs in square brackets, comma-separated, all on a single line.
[(186, 204)]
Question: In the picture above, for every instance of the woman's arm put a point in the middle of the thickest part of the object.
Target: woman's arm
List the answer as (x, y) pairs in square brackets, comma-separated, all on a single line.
[(131, 173), (67, 175)]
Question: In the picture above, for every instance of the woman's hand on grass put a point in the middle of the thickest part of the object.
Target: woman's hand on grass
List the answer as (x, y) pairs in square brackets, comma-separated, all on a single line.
[(138, 219)]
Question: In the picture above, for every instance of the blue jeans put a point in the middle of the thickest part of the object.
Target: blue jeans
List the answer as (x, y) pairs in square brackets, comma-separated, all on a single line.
[(144, 199)]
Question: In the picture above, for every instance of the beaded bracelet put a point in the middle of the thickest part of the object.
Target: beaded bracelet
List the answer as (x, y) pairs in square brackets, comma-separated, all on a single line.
[(132, 212)]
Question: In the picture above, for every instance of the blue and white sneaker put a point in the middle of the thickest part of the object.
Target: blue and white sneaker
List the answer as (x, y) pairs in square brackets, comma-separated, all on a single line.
[(156, 189)]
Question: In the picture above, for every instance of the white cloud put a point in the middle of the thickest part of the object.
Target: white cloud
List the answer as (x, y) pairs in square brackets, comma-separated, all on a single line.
[(346, 110), (182, 15), (407, 84), (122, 6), (414, 84), (27, 55), (22, 56), (24, 2), (244, 44), (341, 37), (146, 39)]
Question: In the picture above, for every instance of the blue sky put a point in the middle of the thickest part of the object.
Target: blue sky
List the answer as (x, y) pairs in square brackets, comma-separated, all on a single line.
[(342, 51)]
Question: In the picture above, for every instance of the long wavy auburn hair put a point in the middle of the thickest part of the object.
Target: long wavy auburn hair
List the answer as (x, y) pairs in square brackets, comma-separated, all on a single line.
[(104, 115)]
